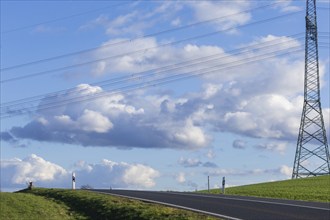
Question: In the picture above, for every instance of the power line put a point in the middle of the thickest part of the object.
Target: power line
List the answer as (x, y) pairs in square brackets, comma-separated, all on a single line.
[(63, 18), (130, 40), (144, 49), (154, 82), (129, 88), (176, 66)]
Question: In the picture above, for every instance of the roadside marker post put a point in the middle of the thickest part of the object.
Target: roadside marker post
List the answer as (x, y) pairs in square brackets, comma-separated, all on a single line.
[(73, 181), (223, 185)]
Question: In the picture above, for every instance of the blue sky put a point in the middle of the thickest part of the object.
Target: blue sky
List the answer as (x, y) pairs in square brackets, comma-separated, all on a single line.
[(153, 95)]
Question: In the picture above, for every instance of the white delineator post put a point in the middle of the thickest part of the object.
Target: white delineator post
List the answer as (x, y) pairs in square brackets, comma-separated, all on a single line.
[(73, 181)]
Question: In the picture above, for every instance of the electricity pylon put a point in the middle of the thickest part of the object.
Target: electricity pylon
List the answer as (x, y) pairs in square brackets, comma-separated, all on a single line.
[(312, 153)]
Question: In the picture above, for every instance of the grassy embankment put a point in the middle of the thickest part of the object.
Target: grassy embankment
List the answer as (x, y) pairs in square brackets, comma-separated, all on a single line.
[(67, 204), (63, 204), (28, 206), (307, 189)]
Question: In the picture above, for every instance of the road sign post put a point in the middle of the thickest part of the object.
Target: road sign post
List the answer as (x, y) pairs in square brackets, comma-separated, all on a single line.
[(73, 181)]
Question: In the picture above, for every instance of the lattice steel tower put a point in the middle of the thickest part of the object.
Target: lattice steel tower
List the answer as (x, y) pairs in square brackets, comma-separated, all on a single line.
[(312, 154)]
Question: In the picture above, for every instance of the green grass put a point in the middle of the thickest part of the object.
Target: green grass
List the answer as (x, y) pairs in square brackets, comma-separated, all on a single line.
[(306, 189), (80, 204), (27, 206), (40, 203)]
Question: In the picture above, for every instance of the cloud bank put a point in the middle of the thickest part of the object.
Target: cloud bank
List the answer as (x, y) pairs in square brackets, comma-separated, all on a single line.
[(259, 100), (15, 173)]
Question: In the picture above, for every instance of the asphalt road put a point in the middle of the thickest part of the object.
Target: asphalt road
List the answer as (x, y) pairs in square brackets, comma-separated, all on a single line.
[(232, 207)]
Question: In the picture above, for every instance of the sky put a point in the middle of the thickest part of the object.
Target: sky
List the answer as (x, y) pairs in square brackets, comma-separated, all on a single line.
[(154, 95)]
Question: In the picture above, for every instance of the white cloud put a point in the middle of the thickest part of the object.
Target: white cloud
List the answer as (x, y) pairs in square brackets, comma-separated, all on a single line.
[(110, 119), (286, 170), (116, 174), (137, 20), (32, 168), (181, 177), (176, 22), (140, 175), (94, 121), (190, 135), (120, 25), (286, 6), (145, 54), (228, 13), (16, 172), (260, 100)]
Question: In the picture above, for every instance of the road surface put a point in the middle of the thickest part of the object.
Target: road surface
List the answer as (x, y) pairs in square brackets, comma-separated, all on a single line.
[(232, 207)]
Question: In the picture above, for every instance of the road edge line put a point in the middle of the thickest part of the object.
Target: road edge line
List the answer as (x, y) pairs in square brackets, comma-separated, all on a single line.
[(252, 200), (172, 205)]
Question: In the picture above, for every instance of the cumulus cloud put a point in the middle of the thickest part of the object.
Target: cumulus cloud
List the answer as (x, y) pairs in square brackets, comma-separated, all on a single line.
[(259, 100), (113, 174), (241, 106), (146, 54), (110, 119), (262, 116), (16, 172), (140, 175)]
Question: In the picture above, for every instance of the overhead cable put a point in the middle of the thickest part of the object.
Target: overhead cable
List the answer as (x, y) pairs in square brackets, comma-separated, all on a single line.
[(172, 67), (131, 40), (142, 50), (153, 82)]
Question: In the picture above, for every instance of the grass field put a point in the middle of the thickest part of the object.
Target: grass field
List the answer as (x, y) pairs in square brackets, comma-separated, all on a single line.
[(307, 189), (27, 206), (42, 203)]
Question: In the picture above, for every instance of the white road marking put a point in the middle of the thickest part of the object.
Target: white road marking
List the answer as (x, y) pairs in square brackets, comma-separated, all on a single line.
[(252, 200)]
